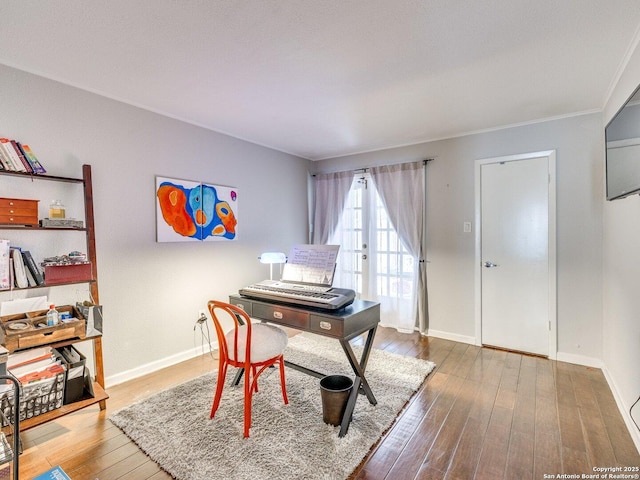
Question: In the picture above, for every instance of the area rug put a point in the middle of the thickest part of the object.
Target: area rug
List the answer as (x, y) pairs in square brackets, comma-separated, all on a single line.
[(287, 441)]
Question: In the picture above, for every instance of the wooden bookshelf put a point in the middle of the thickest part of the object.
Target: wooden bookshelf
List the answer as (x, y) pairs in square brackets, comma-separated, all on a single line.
[(100, 395)]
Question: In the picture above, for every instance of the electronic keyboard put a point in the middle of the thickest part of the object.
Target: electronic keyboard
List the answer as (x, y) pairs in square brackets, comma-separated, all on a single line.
[(327, 298)]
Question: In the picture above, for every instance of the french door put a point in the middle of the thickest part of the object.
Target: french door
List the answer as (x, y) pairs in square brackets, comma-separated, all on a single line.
[(372, 259)]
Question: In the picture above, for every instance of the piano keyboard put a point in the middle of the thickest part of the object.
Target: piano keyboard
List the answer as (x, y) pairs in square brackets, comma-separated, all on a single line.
[(319, 296), (326, 300)]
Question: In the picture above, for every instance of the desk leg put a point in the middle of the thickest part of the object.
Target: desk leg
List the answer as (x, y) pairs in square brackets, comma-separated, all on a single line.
[(348, 412), (367, 347), (360, 366)]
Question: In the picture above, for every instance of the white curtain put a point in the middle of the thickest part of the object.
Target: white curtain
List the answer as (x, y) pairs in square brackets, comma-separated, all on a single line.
[(348, 234), (332, 191), (401, 189)]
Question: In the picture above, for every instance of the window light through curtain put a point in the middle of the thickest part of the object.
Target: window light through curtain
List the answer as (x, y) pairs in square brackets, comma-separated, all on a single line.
[(380, 237)]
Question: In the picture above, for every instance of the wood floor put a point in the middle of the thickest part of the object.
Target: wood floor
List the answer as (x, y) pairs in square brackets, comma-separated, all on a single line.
[(482, 413)]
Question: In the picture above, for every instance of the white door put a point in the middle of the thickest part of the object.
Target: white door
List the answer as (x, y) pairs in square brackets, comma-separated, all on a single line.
[(515, 268)]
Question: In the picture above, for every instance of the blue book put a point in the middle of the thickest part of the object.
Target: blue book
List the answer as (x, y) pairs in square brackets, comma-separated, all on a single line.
[(56, 473)]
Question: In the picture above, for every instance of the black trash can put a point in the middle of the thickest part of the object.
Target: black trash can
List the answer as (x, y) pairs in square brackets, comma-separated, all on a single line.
[(335, 391)]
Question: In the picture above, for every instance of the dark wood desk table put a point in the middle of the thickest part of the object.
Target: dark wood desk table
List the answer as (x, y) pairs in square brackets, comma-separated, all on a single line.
[(343, 325)]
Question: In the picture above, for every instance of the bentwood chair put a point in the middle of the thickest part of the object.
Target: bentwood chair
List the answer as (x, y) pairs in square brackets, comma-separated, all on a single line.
[(253, 347)]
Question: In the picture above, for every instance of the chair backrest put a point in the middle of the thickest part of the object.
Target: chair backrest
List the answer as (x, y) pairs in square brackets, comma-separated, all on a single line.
[(241, 343)]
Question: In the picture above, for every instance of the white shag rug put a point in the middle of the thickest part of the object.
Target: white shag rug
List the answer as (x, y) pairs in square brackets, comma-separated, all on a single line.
[(287, 441)]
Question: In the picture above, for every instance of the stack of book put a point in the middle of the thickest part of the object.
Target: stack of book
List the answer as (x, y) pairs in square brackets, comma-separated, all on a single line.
[(18, 157), (34, 365), (18, 268)]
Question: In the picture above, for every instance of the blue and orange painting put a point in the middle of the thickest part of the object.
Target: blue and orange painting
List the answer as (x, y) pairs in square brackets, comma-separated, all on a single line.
[(195, 211)]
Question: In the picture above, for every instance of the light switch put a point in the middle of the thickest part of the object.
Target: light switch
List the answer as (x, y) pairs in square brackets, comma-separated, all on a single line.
[(466, 227)]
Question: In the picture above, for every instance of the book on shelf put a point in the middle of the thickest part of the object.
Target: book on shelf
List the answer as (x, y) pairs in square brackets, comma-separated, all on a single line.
[(25, 357), (17, 157), (6, 158), (36, 166), (21, 156), (33, 268), (5, 164), (36, 365), (30, 280), (12, 155), (18, 268), (33, 369)]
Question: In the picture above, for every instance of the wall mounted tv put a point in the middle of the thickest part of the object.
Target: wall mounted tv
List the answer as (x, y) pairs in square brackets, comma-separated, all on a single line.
[(622, 137)]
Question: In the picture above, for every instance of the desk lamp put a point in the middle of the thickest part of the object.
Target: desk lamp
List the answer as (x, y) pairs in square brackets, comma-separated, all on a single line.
[(271, 258)]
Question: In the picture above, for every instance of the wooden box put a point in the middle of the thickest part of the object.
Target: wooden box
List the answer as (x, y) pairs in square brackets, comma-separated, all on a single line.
[(15, 211), (73, 272), (25, 330)]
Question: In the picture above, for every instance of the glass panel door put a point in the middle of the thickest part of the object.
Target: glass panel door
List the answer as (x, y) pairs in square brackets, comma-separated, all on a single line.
[(372, 259)]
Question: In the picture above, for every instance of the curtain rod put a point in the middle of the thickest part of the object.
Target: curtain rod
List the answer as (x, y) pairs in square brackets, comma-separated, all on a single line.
[(364, 169)]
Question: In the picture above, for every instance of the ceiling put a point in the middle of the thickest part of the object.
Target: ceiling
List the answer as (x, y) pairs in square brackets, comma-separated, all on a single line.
[(327, 78)]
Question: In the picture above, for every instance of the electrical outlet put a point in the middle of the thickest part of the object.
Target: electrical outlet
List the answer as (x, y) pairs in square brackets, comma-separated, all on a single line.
[(202, 316)]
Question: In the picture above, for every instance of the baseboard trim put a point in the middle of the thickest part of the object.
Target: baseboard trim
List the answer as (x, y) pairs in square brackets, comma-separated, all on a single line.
[(624, 409), (451, 336), (579, 360), (158, 364)]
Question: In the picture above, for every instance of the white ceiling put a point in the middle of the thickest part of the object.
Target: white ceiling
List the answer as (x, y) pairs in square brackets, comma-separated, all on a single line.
[(326, 78)]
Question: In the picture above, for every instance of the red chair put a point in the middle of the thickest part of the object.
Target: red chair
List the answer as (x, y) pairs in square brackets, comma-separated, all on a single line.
[(253, 347)]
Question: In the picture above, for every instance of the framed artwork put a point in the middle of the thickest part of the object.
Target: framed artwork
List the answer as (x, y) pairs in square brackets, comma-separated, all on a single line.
[(189, 211)]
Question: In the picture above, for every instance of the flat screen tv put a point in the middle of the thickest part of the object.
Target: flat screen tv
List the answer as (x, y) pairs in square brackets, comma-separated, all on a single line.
[(622, 137)]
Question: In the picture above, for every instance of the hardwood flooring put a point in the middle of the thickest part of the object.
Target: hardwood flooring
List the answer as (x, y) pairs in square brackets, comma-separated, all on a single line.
[(482, 414)]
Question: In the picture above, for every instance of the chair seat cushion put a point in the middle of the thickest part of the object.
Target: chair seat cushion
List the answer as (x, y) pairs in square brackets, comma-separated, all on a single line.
[(267, 341)]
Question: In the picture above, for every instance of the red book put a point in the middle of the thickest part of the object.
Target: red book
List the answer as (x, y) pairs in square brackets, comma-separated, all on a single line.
[(21, 156)]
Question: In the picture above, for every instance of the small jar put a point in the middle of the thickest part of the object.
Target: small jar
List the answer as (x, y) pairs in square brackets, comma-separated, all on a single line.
[(56, 209)]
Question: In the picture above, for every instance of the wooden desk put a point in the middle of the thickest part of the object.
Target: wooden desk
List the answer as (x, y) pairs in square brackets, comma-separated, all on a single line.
[(343, 325)]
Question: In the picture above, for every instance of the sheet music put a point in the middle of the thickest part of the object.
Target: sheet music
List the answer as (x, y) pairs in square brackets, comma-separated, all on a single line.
[(311, 264)]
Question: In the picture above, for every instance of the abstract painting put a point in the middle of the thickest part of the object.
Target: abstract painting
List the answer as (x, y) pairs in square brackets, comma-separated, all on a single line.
[(195, 211)]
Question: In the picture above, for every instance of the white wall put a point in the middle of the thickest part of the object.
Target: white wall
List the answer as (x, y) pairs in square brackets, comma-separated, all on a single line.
[(151, 291), (579, 142), (621, 276)]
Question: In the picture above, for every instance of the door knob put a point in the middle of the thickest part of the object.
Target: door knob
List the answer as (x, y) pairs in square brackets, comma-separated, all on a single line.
[(490, 264)]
